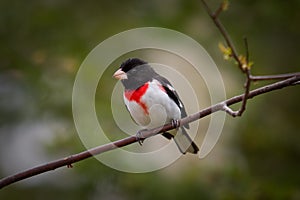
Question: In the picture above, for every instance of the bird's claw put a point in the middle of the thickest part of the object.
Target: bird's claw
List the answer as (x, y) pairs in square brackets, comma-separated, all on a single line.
[(139, 137), (175, 123)]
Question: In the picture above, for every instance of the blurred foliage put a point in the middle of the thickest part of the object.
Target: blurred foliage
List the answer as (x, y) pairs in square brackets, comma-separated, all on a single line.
[(43, 43)]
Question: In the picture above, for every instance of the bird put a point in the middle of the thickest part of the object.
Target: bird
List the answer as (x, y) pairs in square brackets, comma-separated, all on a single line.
[(152, 101)]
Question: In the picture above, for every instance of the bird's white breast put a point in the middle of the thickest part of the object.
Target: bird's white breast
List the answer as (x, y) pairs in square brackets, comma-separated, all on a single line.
[(161, 108)]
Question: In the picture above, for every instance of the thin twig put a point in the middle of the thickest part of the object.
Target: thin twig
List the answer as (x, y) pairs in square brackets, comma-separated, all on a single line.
[(217, 12), (296, 83), (274, 77), (223, 31), (243, 65), (68, 161), (247, 89), (247, 82)]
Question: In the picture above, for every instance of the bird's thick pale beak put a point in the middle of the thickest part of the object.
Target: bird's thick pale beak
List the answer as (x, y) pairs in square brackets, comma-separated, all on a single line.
[(119, 74)]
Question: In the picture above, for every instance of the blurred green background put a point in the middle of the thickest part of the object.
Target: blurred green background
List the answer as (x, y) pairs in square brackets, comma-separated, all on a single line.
[(42, 46)]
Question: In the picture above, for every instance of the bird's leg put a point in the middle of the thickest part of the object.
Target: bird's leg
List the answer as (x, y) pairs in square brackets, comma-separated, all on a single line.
[(175, 123), (139, 136)]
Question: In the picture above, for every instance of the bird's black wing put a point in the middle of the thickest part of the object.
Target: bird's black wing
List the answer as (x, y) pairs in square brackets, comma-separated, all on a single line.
[(171, 92)]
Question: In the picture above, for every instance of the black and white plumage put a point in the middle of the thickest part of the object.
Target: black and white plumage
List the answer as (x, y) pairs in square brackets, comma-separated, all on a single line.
[(152, 101)]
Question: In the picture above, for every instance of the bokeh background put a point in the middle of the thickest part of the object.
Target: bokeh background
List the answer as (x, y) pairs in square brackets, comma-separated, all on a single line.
[(42, 46)]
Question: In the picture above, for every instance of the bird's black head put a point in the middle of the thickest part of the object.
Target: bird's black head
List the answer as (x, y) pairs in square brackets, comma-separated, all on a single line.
[(134, 73), (131, 63)]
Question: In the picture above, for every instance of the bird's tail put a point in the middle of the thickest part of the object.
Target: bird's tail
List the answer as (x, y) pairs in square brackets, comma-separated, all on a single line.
[(183, 141)]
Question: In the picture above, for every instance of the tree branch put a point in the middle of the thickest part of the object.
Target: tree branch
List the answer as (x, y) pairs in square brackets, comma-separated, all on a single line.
[(68, 161), (243, 64)]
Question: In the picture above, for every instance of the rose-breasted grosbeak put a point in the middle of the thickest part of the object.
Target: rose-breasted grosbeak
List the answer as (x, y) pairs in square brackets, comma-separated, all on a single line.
[(152, 101)]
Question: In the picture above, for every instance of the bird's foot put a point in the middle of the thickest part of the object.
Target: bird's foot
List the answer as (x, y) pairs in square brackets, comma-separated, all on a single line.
[(139, 136), (175, 123)]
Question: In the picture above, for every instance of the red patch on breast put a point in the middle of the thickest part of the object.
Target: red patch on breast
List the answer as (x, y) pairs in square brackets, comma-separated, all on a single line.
[(136, 95)]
